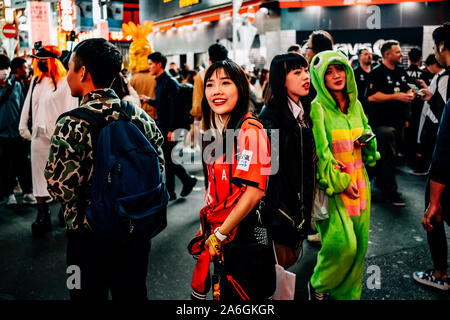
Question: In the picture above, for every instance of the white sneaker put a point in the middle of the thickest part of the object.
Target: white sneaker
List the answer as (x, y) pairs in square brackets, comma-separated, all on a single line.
[(187, 150), (29, 199), (11, 200), (197, 149)]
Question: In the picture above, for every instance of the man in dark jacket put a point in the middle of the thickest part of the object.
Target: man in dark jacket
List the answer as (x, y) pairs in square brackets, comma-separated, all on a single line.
[(166, 102), (14, 149)]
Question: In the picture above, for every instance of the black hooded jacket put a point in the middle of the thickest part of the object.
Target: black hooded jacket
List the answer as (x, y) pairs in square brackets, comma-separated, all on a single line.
[(293, 184)]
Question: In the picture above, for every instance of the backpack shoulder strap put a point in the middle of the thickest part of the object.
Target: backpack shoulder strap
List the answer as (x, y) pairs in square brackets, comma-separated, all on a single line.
[(91, 117), (128, 108)]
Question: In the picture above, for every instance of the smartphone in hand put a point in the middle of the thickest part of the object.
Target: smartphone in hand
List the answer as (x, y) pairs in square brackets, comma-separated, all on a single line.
[(365, 138)]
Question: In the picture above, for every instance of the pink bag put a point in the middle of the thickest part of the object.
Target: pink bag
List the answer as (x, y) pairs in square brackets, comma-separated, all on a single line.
[(285, 289)]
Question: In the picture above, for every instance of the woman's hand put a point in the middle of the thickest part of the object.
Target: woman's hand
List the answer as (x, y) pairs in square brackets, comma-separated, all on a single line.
[(340, 166), (352, 191), (214, 253)]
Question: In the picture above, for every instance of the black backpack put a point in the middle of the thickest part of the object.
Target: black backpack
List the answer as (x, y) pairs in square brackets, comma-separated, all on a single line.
[(128, 194), (183, 117)]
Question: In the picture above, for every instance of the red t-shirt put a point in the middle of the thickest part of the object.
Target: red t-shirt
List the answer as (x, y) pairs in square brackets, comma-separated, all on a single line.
[(227, 180)]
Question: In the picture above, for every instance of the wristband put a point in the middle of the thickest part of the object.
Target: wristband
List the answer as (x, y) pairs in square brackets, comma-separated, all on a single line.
[(215, 244), (219, 236)]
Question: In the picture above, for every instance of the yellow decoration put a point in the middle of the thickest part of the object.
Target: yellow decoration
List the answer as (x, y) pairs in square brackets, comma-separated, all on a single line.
[(140, 47)]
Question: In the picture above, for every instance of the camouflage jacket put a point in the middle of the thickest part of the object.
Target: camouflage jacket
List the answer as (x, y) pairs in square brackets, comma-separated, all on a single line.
[(70, 165)]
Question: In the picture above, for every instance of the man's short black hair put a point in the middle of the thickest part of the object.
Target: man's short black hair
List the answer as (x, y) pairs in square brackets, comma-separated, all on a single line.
[(4, 62), (442, 34), (217, 52), (294, 48), (360, 51), (321, 41), (415, 55), (430, 60), (158, 57), (101, 58), (17, 63), (387, 45)]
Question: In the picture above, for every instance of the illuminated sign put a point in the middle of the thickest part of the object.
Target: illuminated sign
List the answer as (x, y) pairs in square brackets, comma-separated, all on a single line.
[(67, 15), (187, 3)]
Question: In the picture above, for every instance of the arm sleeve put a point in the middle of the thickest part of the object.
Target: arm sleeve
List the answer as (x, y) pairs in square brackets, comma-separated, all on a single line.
[(65, 171), (152, 133), (253, 160), (23, 123), (440, 164), (369, 152), (330, 179), (197, 95)]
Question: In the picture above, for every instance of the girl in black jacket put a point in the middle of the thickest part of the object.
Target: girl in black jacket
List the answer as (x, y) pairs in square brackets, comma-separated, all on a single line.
[(289, 198)]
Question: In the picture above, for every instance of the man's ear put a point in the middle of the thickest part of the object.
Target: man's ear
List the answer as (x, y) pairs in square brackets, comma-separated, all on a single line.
[(441, 47), (84, 73)]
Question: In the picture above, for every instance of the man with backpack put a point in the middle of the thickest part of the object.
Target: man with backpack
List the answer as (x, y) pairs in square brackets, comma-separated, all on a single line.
[(112, 192), (170, 112)]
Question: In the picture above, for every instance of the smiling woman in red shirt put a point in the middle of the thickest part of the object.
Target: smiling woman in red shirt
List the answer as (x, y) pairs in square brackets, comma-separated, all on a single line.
[(238, 164)]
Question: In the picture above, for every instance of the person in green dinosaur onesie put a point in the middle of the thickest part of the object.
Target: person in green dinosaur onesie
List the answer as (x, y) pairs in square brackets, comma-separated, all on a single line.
[(338, 120)]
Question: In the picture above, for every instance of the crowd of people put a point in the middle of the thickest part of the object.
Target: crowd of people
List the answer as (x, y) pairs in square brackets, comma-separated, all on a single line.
[(288, 154)]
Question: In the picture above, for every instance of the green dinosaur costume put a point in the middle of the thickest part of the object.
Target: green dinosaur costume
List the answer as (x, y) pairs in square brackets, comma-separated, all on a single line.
[(345, 234)]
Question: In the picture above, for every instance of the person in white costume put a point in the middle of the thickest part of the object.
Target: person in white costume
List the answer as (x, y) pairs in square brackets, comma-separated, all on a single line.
[(49, 96)]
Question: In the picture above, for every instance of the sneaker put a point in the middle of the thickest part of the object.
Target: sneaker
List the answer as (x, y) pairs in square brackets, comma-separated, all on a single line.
[(187, 150), (11, 200), (29, 199), (427, 278), (418, 173), (172, 197), (313, 295), (197, 149), (314, 237), (397, 200), (17, 190), (188, 186)]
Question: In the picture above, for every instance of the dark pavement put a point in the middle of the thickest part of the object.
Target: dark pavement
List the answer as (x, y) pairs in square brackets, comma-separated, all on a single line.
[(35, 269)]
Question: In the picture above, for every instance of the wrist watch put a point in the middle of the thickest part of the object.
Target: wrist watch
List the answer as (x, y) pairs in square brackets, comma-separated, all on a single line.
[(219, 236)]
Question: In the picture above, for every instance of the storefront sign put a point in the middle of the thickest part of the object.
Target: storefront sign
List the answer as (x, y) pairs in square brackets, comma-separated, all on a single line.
[(19, 4), (39, 22), (84, 14), (66, 15), (115, 15), (187, 3), (162, 9)]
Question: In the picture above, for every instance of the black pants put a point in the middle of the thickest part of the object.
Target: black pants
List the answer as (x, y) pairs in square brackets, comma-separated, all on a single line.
[(388, 139), (14, 162), (103, 267), (172, 168), (437, 240)]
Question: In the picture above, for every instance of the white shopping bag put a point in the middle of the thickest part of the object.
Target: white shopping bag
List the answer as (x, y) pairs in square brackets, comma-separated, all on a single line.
[(285, 289)]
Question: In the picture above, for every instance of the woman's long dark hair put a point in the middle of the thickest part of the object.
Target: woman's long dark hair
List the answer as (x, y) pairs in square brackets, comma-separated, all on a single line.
[(276, 95), (237, 75)]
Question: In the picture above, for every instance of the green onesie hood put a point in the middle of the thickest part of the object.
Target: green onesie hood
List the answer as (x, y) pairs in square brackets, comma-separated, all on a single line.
[(319, 65)]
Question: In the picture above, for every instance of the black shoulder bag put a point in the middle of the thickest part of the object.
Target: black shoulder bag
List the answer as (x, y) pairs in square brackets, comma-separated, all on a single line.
[(30, 112)]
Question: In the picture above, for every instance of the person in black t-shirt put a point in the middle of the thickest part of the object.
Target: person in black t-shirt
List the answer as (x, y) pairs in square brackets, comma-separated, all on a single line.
[(415, 73), (389, 96), (362, 75)]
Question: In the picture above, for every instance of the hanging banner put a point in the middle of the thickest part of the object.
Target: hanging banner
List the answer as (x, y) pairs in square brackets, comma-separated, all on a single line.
[(66, 15), (39, 22), (115, 15), (84, 14)]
